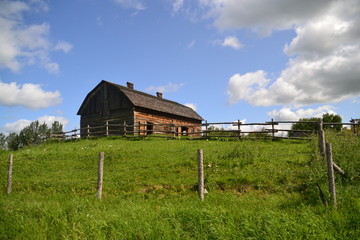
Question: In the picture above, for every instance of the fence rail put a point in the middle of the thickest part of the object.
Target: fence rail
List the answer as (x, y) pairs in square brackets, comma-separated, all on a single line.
[(235, 129)]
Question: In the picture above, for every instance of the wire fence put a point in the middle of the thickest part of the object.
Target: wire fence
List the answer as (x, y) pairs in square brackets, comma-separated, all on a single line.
[(233, 171)]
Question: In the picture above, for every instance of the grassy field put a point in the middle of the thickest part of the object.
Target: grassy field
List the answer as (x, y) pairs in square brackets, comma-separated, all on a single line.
[(256, 190)]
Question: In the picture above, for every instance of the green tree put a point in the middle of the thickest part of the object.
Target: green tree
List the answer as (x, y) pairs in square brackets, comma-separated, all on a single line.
[(34, 134), (56, 127), (305, 123), (332, 118), (2, 141), (13, 141)]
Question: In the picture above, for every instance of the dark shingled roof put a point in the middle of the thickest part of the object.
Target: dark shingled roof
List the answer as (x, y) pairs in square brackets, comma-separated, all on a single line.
[(145, 100)]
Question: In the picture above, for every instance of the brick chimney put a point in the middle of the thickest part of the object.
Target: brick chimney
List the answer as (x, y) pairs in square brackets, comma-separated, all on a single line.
[(130, 85), (159, 94)]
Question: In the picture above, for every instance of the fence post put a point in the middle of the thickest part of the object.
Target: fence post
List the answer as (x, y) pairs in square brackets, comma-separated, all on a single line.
[(100, 175), (9, 183), (107, 128), (239, 129), (88, 131), (124, 128), (321, 137), (206, 129), (331, 176), (173, 129), (200, 174), (139, 128), (272, 129)]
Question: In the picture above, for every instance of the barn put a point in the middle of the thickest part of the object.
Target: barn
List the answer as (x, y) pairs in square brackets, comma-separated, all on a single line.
[(110, 104)]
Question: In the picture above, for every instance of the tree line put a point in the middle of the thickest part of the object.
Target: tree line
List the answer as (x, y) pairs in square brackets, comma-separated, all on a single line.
[(34, 134)]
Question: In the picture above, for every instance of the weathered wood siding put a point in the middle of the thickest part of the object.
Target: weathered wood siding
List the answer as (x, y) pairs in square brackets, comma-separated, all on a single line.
[(146, 116), (106, 104)]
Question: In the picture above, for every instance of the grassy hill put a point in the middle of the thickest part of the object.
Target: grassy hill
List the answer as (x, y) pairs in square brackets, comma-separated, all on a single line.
[(256, 190)]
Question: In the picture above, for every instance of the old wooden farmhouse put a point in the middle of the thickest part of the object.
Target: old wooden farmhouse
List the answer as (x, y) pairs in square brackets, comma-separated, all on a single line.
[(113, 106)]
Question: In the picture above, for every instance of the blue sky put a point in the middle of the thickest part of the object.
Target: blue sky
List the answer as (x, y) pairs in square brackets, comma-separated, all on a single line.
[(251, 60)]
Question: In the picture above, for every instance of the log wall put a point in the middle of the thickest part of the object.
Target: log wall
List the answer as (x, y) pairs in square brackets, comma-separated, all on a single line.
[(97, 122), (142, 116)]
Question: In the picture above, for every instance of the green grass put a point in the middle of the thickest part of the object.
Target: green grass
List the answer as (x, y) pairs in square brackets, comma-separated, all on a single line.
[(256, 190)]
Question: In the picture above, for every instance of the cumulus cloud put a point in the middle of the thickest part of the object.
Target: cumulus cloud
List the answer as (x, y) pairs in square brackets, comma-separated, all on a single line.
[(23, 44), (246, 86), (135, 4), (170, 87), (28, 95), (287, 113), (232, 42), (263, 16), (324, 55), (191, 105), (22, 123)]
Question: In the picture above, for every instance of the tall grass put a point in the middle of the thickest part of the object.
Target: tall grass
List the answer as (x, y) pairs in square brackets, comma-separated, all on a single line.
[(257, 190)]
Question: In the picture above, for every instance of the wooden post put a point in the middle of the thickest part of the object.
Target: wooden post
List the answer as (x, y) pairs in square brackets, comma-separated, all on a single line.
[(9, 183), (107, 128), (206, 129), (239, 129), (139, 128), (201, 174), (321, 137), (272, 129), (88, 131), (173, 127), (100, 175), (331, 176), (353, 127), (124, 128), (338, 169)]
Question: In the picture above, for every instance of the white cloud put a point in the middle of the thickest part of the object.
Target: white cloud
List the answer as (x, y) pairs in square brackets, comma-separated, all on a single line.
[(63, 46), (191, 105), (287, 113), (177, 5), (245, 86), (170, 87), (23, 44), (136, 4), (27, 95), (15, 126), (323, 56), (22, 123), (245, 128), (263, 16), (232, 42)]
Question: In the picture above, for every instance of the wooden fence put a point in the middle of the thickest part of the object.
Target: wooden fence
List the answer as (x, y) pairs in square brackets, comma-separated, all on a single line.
[(236, 129)]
